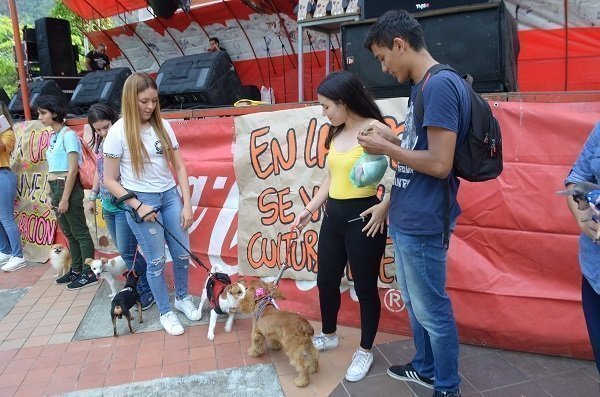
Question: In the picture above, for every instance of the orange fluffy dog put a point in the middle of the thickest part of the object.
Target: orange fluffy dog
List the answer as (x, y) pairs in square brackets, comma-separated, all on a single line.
[(282, 329)]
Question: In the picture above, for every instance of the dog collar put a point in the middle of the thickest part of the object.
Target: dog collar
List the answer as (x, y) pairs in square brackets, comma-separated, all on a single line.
[(263, 303)]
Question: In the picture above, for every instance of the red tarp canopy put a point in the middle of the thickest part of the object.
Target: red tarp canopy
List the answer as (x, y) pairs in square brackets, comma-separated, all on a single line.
[(93, 9)]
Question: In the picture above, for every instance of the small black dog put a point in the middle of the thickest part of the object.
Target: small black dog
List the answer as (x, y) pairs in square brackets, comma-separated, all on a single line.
[(124, 301)]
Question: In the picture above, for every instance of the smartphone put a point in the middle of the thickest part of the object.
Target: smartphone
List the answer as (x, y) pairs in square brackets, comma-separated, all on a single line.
[(4, 125)]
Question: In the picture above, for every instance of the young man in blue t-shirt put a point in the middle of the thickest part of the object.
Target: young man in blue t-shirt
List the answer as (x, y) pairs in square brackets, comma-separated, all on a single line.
[(425, 155)]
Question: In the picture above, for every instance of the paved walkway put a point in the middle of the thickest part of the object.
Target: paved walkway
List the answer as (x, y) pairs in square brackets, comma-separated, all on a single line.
[(39, 357)]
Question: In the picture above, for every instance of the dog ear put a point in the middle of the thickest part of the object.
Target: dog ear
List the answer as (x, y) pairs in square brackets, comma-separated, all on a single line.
[(247, 302), (104, 260), (89, 261), (242, 281)]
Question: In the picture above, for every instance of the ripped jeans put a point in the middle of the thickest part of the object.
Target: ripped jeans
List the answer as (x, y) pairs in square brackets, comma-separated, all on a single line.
[(152, 237)]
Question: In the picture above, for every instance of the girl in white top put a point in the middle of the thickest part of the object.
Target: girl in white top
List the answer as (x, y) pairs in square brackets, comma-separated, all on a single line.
[(142, 148)]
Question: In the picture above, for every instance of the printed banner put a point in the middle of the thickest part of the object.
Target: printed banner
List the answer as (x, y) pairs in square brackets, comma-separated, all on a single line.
[(280, 162), (35, 220)]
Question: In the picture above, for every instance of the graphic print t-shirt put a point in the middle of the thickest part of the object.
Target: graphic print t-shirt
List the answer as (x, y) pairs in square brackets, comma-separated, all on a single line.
[(157, 176), (98, 61), (417, 200)]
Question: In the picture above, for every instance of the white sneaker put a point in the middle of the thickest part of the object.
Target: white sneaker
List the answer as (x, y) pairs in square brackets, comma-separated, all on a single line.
[(323, 342), (361, 363), (14, 263), (186, 306), (4, 258), (171, 323)]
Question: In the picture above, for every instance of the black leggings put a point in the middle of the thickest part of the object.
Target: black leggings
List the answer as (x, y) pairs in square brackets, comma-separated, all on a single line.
[(341, 241)]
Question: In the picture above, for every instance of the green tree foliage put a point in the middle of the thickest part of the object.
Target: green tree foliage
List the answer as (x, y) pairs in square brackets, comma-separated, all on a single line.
[(8, 72), (29, 11)]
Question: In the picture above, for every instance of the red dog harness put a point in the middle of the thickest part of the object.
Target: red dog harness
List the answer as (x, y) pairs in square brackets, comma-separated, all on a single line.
[(215, 286)]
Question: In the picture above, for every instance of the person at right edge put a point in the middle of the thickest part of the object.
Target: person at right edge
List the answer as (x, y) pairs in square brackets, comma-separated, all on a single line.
[(587, 169), (425, 157)]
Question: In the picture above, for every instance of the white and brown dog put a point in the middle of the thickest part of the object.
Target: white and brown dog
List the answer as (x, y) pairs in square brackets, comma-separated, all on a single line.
[(224, 298), (60, 258), (108, 269)]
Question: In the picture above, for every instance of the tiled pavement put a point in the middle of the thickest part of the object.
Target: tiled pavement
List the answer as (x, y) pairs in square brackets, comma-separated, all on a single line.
[(38, 356)]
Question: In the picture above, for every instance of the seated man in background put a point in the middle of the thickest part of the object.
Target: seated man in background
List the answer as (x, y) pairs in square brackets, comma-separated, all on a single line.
[(97, 59), (215, 45)]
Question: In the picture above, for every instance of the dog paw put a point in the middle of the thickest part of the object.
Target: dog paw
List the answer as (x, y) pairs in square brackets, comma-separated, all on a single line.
[(228, 329), (252, 352), (301, 381), (210, 336)]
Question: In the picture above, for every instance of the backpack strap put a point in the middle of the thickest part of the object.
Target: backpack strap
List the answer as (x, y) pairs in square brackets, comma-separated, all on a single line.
[(419, 109)]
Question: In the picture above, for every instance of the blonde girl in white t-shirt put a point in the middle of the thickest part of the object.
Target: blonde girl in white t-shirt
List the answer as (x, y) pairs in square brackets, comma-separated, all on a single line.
[(142, 148)]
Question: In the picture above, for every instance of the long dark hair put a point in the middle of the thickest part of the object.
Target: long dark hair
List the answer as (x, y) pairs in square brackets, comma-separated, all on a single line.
[(99, 112), (344, 87)]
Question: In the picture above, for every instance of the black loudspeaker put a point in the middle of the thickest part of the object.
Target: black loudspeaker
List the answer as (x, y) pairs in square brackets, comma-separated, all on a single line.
[(481, 41), (376, 8), (35, 89), (164, 8), (4, 97), (198, 81), (102, 86), (54, 48), (30, 44)]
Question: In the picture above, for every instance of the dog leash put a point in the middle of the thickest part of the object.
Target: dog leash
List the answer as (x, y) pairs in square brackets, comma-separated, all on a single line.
[(194, 257)]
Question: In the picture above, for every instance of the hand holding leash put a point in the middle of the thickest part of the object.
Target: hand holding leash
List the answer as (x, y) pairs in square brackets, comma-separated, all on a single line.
[(146, 213)]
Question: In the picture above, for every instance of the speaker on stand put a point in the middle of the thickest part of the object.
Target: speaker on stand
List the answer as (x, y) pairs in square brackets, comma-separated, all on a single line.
[(54, 48), (198, 81)]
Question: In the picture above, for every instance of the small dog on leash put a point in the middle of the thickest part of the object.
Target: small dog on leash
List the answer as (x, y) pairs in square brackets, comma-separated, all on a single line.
[(60, 259), (224, 298), (108, 269), (282, 329), (124, 301), (586, 195)]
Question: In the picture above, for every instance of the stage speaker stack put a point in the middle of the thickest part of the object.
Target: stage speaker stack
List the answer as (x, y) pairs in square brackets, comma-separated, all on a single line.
[(35, 89), (480, 40), (54, 48), (376, 8), (30, 44), (198, 81), (102, 86)]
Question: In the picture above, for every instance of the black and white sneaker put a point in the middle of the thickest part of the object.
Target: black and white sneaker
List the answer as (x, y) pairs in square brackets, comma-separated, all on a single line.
[(84, 280), (67, 278), (407, 373), (446, 393)]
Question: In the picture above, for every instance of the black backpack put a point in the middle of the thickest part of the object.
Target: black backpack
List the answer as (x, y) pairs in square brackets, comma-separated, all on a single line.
[(478, 157)]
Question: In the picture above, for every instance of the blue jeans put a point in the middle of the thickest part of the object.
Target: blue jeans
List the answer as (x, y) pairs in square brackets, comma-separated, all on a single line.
[(421, 277), (10, 238), (152, 238), (590, 300), (126, 244)]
